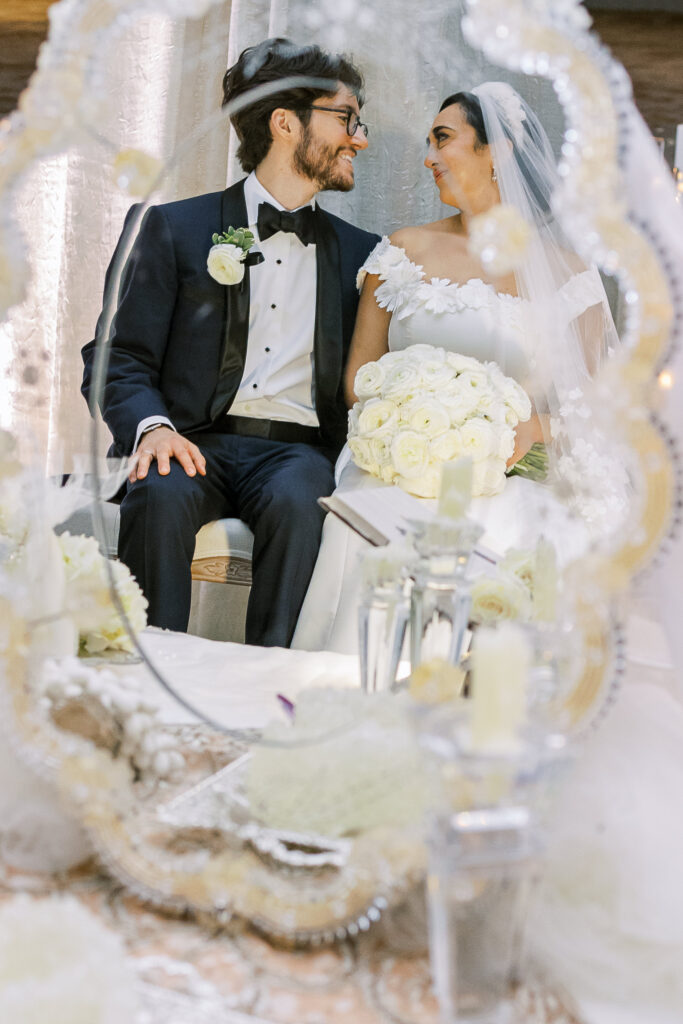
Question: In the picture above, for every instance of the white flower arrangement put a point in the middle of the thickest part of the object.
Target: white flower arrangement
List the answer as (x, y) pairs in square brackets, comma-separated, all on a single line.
[(225, 261), (523, 587), (88, 598), (424, 406), (59, 963)]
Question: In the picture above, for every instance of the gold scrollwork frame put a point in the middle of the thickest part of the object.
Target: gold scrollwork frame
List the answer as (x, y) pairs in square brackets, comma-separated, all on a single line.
[(543, 38)]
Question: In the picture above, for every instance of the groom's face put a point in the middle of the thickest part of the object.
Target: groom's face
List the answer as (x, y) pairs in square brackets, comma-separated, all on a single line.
[(325, 152)]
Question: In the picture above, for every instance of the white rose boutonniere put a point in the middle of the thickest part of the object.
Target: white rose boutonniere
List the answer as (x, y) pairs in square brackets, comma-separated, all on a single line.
[(226, 257)]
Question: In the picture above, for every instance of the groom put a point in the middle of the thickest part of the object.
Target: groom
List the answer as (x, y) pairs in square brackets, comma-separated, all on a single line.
[(230, 396)]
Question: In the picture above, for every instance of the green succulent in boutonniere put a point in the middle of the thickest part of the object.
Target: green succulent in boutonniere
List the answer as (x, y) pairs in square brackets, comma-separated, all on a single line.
[(226, 257)]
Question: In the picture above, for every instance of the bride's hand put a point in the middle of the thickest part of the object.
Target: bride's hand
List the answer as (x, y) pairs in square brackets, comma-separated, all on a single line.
[(526, 435)]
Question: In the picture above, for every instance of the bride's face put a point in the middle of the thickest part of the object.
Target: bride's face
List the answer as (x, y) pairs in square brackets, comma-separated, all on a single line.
[(461, 165)]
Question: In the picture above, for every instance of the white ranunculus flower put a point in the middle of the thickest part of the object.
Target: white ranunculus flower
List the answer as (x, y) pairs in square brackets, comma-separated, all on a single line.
[(362, 455), (225, 263), (400, 383), (460, 400), (479, 438), (428, 416), (424, 486), (488, 477), (376, 413), (516, 398), (380, 446), (435, 373), (499, 597), (460, 363), (477, 380), (369, 379), (506, 444), (354, 413), (446, 446), (387, 473), (410, 453)]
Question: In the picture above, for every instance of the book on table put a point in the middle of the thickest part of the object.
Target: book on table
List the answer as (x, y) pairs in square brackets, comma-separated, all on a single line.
[(386, 514)]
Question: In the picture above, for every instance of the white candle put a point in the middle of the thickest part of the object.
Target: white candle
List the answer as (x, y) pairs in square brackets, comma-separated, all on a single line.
[(545, 581), (678, 151), (455, 492), (500, 673)]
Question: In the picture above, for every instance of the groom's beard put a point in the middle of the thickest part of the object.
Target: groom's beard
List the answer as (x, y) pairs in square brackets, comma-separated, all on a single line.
[(321, 163)]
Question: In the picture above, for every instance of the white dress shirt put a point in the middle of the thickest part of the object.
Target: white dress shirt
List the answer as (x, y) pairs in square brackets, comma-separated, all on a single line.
[(277, 383)]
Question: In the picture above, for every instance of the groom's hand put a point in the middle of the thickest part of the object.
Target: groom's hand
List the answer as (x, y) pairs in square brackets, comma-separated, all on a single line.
[(164, 444)]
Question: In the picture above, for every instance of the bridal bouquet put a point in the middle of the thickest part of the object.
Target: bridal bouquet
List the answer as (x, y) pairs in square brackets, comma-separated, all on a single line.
[(424, 406)]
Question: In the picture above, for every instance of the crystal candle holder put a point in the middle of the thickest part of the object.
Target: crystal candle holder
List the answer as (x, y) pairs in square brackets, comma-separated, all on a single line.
[(440, 598), (486, 841), (382, 621)]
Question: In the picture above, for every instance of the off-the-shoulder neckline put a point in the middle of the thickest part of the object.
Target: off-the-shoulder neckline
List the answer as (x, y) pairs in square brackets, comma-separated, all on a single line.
[(452, 284), (471, 280)]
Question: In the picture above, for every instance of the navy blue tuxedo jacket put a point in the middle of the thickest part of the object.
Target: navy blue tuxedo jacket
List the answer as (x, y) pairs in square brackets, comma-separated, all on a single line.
[(178, 338)]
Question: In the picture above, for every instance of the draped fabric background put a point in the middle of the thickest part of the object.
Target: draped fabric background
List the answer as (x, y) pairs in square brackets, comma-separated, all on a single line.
[(162, 79)]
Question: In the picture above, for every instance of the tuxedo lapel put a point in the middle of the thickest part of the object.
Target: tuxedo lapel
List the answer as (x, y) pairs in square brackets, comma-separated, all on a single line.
[(327, 343), (235, 322)]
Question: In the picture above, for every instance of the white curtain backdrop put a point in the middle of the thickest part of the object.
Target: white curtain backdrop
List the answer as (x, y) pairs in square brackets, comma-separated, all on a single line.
[(162, 79)]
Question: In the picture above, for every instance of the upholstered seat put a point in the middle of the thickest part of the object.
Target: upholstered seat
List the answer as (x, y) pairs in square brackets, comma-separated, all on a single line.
[(222, 556)]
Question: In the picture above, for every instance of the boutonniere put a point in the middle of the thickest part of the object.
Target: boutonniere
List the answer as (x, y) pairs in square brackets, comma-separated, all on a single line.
[(226, 257)]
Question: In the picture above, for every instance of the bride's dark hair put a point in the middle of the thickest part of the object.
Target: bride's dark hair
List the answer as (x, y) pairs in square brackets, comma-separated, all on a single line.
[(473, 114)]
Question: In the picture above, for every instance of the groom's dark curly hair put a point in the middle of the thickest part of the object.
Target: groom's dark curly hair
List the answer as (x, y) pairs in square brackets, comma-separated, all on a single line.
[(275, 59)]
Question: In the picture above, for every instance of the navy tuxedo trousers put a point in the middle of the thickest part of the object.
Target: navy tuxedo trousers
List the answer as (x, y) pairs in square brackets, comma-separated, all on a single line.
[(272, 486)]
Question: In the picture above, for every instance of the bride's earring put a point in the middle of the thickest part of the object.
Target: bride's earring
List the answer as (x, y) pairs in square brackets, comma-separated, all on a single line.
[(494, 176)]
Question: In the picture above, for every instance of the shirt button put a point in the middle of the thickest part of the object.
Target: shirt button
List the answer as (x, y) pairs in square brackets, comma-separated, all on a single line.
[(254, 385), (267, 349), (278, 261), (272, 305)]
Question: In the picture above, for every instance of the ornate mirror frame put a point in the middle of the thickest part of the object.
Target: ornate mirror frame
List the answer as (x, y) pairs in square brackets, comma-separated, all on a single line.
[(549, 39)]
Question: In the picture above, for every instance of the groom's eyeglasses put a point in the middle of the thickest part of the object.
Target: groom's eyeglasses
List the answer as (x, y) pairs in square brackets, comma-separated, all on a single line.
[(353, 122)]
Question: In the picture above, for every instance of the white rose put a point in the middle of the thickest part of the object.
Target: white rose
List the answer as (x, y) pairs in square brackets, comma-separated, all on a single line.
[(354, 412), (387, 473), (446, 446), (369, 379), (521, 564), (488, 477), (427, 416), (478, 438), (376, 413), (410, 454), (499, 597), (362, 455), (225, 263), (424, 486)]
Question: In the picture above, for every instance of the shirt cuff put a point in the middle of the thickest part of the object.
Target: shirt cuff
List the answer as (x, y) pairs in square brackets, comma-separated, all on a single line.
[(147, 424)]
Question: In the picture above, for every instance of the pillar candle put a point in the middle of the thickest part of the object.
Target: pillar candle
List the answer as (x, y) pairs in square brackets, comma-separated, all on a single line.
[(500, 672), (455, 492)]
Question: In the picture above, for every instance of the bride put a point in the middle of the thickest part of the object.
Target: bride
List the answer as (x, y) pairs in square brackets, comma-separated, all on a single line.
[(545, 323)]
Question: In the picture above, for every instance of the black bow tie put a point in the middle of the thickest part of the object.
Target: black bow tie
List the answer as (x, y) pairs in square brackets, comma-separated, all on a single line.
[(301, 222)]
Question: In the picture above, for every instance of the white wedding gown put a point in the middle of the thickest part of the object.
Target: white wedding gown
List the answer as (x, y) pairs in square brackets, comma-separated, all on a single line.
[(474, 320), (609, 924)]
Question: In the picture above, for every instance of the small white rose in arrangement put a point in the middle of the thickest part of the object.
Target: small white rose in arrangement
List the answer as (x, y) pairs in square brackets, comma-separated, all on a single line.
[(136, 172), (499, 238), (226, 257), (423, 407), (88, 598)]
